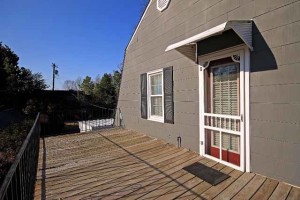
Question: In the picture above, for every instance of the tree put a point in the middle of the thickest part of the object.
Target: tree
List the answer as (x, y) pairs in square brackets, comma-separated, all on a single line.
[(78, 83), (73, 85), (120, 67), (54, 74), (102, 91), (8, 66), (39, 81), (70, 85), (15, 79), (16, 83), (87, 85), (105, 91), (116, 81), (98, 79)]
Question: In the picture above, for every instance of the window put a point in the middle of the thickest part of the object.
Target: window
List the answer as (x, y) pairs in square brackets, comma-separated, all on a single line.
[(225, 95), (230, 142), (225, 89), (155, 94), (157, 102)]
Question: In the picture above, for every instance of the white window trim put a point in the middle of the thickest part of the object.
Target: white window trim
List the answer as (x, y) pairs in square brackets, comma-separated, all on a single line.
[(160, 119)]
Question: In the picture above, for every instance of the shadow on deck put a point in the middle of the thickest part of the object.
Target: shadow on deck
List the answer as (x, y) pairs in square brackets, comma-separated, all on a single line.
[(123, 164)]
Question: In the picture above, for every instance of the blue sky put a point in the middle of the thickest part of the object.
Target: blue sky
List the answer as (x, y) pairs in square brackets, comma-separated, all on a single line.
[(83, 37)]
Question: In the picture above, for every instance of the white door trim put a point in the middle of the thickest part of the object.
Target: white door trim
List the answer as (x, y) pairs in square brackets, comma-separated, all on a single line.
[(247, 109), (245, 106)]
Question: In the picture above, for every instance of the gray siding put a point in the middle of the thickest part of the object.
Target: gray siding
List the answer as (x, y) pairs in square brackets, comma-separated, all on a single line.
[(274, 78)]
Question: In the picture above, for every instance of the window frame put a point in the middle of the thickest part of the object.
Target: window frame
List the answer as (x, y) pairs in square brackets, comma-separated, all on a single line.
[(155, 117)]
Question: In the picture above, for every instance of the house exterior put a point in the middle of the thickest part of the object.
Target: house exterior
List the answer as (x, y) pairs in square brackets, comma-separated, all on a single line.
[(221, 78)]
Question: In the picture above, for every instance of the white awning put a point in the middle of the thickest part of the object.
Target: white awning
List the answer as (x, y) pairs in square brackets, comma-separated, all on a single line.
[(243, 28)]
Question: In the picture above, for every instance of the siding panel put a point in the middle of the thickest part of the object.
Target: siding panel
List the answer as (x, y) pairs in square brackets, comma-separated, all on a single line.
[(274, 80), (288, 93)]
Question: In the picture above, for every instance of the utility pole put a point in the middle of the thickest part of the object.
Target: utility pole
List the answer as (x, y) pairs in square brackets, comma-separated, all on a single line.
[(55, 73)]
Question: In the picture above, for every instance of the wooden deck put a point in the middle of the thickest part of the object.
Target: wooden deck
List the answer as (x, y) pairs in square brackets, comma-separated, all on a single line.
[(123, 164)]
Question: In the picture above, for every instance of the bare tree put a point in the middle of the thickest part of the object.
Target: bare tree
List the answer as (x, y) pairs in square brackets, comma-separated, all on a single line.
[(73, 85), (120, 67), (69, 85), (78, 82)]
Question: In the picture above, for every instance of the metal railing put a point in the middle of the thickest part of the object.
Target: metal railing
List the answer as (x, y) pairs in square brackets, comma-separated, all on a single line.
[(80, 120), (20, 179)]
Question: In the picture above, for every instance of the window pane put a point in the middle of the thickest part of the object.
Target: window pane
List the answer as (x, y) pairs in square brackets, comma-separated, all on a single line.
[(212, 143), (156, 90), (230, 142), (156, 84), (231, 148), (225, 90), (216, 139), (156, 106)]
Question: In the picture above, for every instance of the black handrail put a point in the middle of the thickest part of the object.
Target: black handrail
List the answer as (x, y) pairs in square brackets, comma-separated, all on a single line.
[(20, 179)]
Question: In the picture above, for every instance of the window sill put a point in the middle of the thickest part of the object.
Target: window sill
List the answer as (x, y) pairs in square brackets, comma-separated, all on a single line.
[(156, 119)]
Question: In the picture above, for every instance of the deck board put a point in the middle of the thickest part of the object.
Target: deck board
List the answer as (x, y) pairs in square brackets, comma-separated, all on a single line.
[(294, 194), (113, 186), (235, 187), (180, 190), (104, 177), (266, 190), (216, 190), (124, 164), (249, 190), (281, 191)]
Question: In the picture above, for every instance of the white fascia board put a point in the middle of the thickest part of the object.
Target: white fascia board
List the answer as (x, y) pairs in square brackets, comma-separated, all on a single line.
[(150, 1), (198, 37), (234, 25)]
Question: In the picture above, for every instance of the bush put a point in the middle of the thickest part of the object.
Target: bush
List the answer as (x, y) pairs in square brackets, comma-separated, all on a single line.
[(11, 139)]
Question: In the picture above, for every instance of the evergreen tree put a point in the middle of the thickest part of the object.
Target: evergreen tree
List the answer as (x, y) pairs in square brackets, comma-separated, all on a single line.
[(116, 80), (87, 85), (16, 83), (105, 91), (8, 66)]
